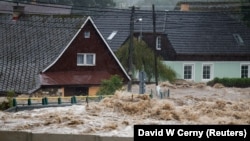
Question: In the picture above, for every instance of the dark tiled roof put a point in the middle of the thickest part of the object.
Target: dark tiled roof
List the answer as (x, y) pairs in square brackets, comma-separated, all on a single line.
[(188, 32), (206, 33), (119, 20), (33, 42), (7, 7), (29, 45), (110, 21)]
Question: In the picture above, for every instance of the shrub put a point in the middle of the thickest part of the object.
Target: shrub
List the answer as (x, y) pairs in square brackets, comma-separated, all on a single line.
[(10, 96), (231, 82), (109, 86), (4, 105), (9, 103)]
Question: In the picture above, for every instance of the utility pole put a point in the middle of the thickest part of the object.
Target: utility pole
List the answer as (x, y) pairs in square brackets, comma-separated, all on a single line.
[(155, 56), (130, 63)]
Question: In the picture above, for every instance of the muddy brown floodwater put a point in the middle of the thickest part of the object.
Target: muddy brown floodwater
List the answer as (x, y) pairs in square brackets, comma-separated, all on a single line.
[(116, 115)]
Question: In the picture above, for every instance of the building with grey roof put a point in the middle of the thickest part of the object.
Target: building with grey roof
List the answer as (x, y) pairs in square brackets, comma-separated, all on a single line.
[(199, 46), (46, 51)]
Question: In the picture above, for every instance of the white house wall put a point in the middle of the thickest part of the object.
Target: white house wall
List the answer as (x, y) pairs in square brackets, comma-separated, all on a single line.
[(230, 69)]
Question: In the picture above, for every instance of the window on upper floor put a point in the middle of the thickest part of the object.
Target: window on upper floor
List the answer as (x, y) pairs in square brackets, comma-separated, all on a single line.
[(245, 71), (86, 59), (158, 43), (86, 34)]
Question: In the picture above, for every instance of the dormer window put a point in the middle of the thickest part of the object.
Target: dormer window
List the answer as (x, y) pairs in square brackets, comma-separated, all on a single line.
[(238, 39), (86, 34), (158, 43)]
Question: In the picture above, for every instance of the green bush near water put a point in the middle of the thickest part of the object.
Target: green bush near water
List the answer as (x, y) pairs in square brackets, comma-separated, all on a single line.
[(109, 86), (231, 82), (9, 103)]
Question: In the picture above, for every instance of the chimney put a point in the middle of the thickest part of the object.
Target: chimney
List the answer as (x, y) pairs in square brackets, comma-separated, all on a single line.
[(184, 7), (18, 11), (33, 1)]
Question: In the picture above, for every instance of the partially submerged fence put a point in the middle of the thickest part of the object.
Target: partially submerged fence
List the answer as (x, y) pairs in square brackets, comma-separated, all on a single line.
[(55, 100), (67, 100), (19, 103), (29, 103)]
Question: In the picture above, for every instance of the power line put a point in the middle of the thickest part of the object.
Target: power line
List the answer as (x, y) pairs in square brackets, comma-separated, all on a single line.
[(49, 24), (140, 13)]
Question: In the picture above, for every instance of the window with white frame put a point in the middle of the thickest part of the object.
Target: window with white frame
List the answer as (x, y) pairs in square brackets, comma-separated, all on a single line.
[(86, 34), (86, 59), (158, 43), (188, 71), (207, 71), (245, 72)]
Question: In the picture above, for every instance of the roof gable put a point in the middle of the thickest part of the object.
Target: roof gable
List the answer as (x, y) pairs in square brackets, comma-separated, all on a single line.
[(77, 34), (32, 45)]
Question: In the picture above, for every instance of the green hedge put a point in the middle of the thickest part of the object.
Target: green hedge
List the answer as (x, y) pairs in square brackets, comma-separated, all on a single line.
[(231, 82)]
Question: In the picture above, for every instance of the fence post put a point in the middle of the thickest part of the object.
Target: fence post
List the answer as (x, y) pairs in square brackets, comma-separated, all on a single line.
[(43, 101), (151, 94), (168, 93), (74, 99), (59, 100), (46, 101), (14, 102), (29, 101), (87, 100)]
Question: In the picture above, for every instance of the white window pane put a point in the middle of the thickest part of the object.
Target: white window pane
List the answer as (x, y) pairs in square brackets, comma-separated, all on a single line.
[(85, 59), (244, 71), (206, 72), (80, 59), (90, 59), (86, 34), (187, 72), (158, 43)]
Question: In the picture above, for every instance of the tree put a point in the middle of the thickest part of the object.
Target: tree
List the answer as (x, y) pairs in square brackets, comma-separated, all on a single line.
[(143, 60), (109, 86), (245, 11)]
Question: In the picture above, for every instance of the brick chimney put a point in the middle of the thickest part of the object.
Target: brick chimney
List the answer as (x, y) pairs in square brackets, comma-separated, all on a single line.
[(184, 7), (18, 11)]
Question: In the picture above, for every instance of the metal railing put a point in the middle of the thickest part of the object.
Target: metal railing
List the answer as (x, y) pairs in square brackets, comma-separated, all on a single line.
[(55, 100)]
